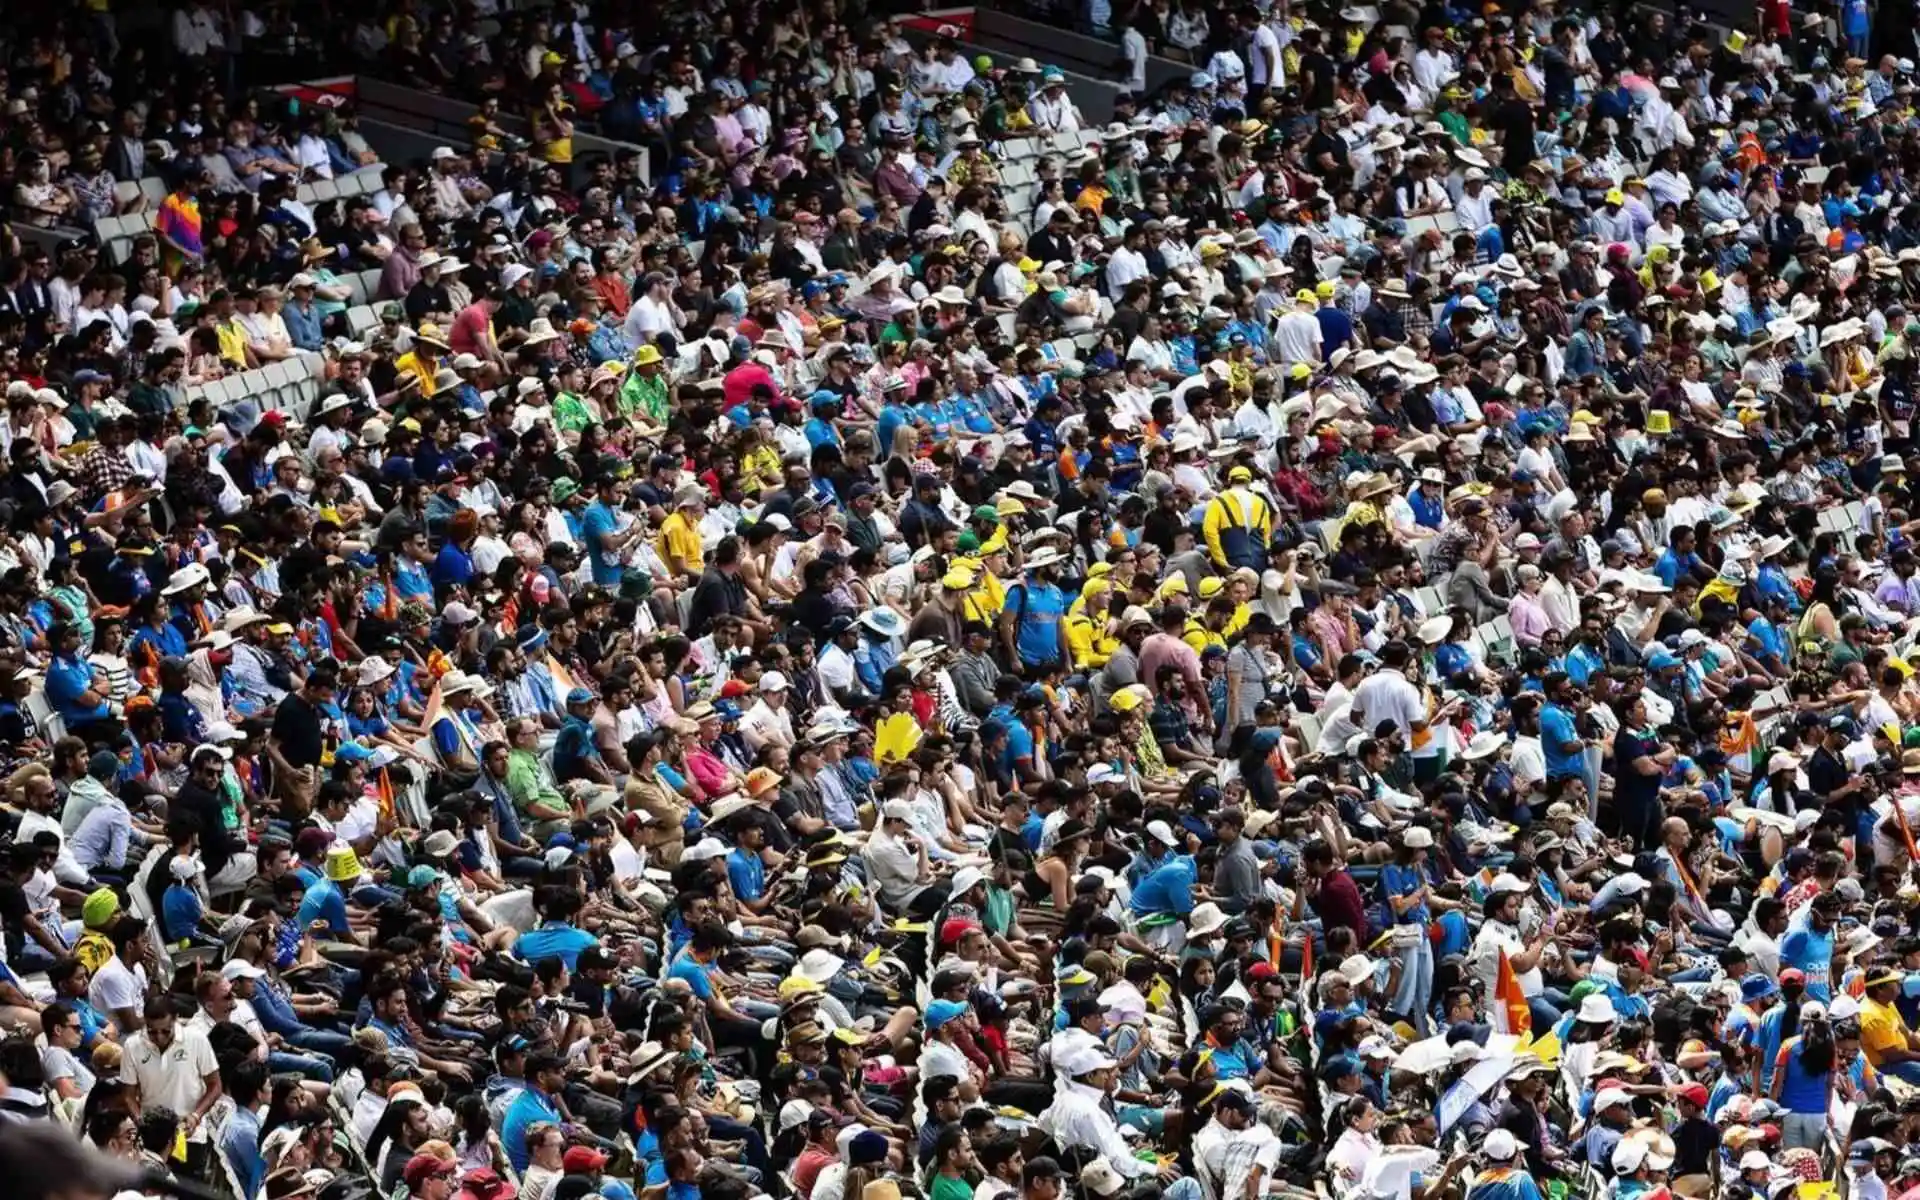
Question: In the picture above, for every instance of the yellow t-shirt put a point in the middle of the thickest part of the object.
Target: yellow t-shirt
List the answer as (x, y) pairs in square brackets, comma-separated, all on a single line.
[(679, 539), (1881, 1029), (233, 343), (1200, 637), (424, 367)]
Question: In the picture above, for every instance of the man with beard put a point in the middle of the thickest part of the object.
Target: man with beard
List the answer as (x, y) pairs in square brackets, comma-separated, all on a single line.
[(1032, 626)]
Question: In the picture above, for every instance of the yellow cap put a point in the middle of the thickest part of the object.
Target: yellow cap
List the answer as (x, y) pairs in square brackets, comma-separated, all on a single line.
[(1616, 196), (1659, 421), (1300, 371), (1099, 570), (1305, 296), (957, 579), (1324, 289), (1211, 586), (1129, 698), (1240, 475), (798, 985)]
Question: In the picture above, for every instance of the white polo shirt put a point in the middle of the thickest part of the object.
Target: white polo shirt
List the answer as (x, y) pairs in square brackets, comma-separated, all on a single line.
[(173, 1078)]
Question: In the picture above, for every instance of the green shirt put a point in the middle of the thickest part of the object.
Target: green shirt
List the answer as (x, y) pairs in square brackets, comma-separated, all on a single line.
[(528, 786), (569, 414), (645, 396), (951, 1187)]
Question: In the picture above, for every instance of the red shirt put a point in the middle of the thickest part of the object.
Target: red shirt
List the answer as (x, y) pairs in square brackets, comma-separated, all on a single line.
[(807, 1167), (740, 381), (1338, 903), (468, 334)]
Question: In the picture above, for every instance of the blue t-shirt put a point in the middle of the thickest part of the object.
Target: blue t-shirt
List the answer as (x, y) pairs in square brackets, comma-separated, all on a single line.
[(599, 520), (1168, 888), (67, 680), (1557, 729), (685, 966), (1812, 953), (528, 1109), (180, 913), (1040, 608), (324, 902), (563, 942), (453, 566), (1401, 880), (747, 873)]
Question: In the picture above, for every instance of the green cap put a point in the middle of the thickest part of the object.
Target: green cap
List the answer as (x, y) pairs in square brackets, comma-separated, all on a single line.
[(563, 488), (422, 877), (968, 542), (1911, 739), (987, 513)]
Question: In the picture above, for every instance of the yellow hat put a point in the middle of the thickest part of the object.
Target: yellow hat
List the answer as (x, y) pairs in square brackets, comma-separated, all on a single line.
[(1659, 420), (343, 864), (1174, 585), (1305, 296), (1616, 196), (1007, 506), (1299, 371), (1240, 475), (1029, 265), (798, 985), (1324, 289), (997, 544), (1099, 570), (1212, 586), (1211, 250), (550, 59), (1096, 587), (957, 579), (1129, 698), (646, 356)]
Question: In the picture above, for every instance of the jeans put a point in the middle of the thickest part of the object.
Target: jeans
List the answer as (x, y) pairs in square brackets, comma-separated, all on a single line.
[(1908, 1072), (727, 1129), (305, 1065), (1185, 1188), (1414, 997), (1803, 1130), (319, 1041)]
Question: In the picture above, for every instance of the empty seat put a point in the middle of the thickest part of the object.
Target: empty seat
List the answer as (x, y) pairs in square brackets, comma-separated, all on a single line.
[(360, 318), (319, 191), (154, 189)]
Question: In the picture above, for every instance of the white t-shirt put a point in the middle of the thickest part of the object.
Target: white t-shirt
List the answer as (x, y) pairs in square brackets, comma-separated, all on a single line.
[(836, 669), (1265, 44), (1388, 696), (938, 1058), (114, 987), (363, 817), (173, 1078)]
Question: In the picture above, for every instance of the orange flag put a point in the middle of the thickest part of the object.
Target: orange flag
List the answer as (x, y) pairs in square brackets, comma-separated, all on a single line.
[(1509, 1012), (1906, 833), (1306, 960)]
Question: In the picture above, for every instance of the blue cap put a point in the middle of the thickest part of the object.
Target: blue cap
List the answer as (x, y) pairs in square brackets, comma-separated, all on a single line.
[(1757, 986), (939, 1012), (1660, 660), (728, 710), (561, 839), (352, 752), (1339, 1067), (618, 1189), (812, 288), (579, 695)]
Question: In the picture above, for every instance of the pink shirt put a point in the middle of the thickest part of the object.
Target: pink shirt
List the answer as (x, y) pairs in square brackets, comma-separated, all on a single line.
[(1161, 649), (1528, 618)]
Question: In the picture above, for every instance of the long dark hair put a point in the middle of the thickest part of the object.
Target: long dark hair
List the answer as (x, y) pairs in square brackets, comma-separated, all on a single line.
[(1816, 1047), (392, 1124)]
